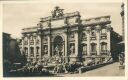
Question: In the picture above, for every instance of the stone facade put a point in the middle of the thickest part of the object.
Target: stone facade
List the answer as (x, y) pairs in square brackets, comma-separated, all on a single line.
[(69, 37)]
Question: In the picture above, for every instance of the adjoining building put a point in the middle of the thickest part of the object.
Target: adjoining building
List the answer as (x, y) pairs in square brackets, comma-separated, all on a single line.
[(11, 54), (122, 43), (67, 36)]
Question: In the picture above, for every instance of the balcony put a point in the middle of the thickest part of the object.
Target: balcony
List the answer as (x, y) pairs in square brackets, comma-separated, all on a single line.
[(31, 43), (103, 36), (84, 39), (93, 37), (104, 52), (93, 52), (97, 20), (32, 55), (31, 29)]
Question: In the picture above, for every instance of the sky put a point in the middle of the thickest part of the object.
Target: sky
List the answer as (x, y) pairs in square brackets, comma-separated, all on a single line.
[(17, 16)]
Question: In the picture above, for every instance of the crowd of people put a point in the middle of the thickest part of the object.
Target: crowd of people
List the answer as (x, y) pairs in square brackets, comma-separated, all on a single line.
[(59, 66), (57, 63)]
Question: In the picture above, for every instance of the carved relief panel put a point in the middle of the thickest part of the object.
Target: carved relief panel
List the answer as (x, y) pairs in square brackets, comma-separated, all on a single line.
[(84, 36), (71, 36), (72, 49)]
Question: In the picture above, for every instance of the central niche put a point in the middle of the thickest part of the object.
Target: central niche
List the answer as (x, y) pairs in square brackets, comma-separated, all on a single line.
[(58, 46)]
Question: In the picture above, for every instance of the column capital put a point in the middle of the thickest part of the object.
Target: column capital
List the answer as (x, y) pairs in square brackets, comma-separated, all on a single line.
[(67, 30), (98, 28), (88, 29), (66, 22), (28, 36), (22, 37), (108, 27), (49, 24), (49, 35), (78, 20), (39, 33), (34, 35)]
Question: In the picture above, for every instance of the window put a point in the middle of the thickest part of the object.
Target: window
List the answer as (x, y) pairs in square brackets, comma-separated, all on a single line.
[(93, 49), (26, 51), (32, 51), (103, 46), (84, 49)]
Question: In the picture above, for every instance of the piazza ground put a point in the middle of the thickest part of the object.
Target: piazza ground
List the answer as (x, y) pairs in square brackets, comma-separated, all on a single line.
[(108, 70)]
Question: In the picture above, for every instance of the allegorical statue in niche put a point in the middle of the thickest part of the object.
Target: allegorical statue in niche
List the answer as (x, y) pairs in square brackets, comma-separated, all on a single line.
[(56, 50)]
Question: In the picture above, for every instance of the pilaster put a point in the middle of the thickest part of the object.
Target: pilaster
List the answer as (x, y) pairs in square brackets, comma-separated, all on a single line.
[(98, 28), (23, 44), (76, 43), (88, 40), (66, 46), (49, 45), (40, 47), (108, 38), (28, 37), (35, 47)]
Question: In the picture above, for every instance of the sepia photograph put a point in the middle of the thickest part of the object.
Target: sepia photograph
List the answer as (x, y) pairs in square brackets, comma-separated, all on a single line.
[(63, 39)]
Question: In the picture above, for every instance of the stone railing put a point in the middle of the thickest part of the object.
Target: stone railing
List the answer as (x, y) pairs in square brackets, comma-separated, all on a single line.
[(93, 53), (84, 38), (104, 52), (49, 18), (93, 37), (72, 14), (32, 29), (46, 19), (103, 35), (96, 20)]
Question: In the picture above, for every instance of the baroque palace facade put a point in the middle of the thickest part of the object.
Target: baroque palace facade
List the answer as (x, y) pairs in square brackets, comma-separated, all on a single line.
[(69, 37)]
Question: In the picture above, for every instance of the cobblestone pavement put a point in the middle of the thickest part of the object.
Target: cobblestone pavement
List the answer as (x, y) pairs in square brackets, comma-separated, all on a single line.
[(108, 70)]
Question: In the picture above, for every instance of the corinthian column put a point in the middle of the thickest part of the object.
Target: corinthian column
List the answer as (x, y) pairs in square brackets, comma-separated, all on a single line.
[(98, 28), (88, 29)]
